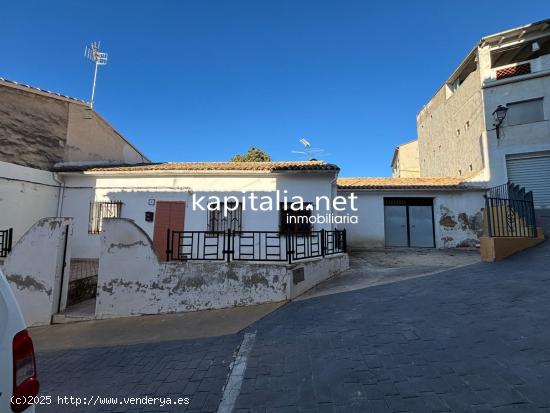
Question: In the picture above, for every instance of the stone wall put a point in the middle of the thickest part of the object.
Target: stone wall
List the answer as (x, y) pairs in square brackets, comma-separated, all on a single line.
[(451, 131)]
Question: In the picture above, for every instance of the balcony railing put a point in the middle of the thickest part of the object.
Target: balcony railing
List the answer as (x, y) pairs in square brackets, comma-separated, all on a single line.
[(253, 245)]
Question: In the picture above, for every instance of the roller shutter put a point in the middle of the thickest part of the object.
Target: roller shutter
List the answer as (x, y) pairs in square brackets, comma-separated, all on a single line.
[(533, 173)]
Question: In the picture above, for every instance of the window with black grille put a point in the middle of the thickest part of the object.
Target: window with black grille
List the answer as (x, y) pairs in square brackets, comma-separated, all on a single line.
[(100, 210), (295, 221), (220, 222)]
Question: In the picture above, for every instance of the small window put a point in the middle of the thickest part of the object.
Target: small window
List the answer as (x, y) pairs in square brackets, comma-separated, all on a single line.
[(100, 210), (295, 221), (217, 222), (528, 111)]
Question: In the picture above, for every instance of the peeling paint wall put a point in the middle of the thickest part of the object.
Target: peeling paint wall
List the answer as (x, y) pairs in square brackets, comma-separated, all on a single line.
[(132, 281), (459, 220), (34, 266), (458, 217)]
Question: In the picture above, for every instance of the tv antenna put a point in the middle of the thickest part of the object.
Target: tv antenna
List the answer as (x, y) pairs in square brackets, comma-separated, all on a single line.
[(91, 52), (309, 152)]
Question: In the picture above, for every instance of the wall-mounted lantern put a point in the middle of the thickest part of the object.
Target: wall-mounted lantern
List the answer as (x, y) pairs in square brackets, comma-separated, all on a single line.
[(499, 115)]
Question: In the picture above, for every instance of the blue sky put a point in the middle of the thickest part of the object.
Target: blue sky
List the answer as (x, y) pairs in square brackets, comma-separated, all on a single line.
[(203, 80)]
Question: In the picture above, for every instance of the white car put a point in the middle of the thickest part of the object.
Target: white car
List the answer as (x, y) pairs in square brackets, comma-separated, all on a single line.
[(18, 382)]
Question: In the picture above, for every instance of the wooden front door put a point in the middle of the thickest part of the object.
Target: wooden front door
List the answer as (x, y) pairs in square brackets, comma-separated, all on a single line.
[(169, 215)]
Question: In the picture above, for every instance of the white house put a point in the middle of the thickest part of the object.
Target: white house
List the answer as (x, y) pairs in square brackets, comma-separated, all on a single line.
[(414, 212), (175, 196)]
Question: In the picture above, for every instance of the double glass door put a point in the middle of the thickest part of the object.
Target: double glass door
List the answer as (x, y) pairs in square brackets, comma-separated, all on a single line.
[(408, 222)]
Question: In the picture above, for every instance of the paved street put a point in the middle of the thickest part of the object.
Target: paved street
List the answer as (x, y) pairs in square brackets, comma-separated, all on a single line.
[(473, 339), (377, 266), (194, 368)]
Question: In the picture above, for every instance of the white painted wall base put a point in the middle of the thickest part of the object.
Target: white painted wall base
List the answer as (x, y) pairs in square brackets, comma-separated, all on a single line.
[(34, 268), (132, 280)]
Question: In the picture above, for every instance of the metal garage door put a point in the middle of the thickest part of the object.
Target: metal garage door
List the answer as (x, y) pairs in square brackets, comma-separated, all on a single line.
[(533, 173), (408, 222)]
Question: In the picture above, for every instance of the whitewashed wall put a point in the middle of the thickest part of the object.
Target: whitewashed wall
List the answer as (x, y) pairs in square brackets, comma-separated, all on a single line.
[(135, 192), (133, 281), (457, 217), (34, 269), (26, 195)]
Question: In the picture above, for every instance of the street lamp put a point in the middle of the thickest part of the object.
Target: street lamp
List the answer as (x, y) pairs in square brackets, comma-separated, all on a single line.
[(499, 114)]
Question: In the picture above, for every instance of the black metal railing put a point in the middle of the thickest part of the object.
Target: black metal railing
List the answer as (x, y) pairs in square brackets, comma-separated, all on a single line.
[(510, 212), (6, 238), (253, 245)]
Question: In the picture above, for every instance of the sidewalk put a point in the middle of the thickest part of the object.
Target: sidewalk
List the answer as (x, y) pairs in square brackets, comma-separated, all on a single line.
[(148, 329)]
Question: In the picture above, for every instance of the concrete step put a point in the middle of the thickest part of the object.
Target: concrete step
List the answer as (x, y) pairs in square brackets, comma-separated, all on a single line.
[(64, 318), (83, 311)]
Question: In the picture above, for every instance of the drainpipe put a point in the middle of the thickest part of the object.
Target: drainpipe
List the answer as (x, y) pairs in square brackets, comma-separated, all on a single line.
[(61, 193), (334, 189)]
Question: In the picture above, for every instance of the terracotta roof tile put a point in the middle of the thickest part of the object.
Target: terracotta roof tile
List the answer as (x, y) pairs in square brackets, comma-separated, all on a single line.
[(213, 166), (401, 183)]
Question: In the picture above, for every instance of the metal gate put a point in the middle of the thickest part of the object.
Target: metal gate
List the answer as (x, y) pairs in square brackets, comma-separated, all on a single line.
[(6, 237)]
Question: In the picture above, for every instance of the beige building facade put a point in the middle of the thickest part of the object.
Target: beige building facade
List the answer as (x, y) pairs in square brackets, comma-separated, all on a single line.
[(405, 162), (39, 129), (458, 134)]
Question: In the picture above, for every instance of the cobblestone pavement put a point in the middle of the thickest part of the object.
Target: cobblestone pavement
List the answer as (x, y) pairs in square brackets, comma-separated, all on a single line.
[(196, 369), (472, 339)]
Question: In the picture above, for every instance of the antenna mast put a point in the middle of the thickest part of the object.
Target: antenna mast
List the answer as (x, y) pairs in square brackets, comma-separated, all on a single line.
[(92, 53), (309, 152)]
